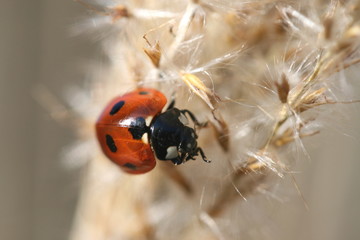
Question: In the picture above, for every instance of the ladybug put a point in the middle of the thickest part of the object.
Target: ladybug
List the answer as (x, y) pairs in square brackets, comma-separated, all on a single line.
[(133, 127)]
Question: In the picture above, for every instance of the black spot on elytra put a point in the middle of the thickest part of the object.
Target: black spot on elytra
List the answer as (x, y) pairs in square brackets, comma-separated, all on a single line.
[(110, 143), (138, 127), (117, 107), (130, 166), (143, 93)]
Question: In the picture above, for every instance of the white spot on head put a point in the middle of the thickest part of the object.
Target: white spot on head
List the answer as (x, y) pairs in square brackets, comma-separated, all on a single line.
[(183, 119), (145, 138), (188, 145), (171, 152), (193, 135)]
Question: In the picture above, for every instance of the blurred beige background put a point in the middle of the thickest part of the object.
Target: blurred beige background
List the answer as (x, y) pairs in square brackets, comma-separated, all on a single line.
[(38, 196)]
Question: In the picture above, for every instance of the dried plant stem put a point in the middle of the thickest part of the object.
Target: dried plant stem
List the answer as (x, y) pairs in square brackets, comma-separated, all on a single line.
[(232, 193), (294, 101), (177, 177), (182, 29)]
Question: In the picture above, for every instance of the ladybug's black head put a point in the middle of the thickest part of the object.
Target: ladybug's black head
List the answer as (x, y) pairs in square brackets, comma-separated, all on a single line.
[(188, 142), (171, 138)]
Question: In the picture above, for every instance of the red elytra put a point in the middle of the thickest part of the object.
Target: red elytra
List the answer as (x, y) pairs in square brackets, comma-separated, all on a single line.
[(132, 154)]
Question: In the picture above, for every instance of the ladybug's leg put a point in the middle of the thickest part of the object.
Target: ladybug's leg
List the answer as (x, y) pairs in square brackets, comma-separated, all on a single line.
[(191, 156), (193, 118), (199, 150)]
